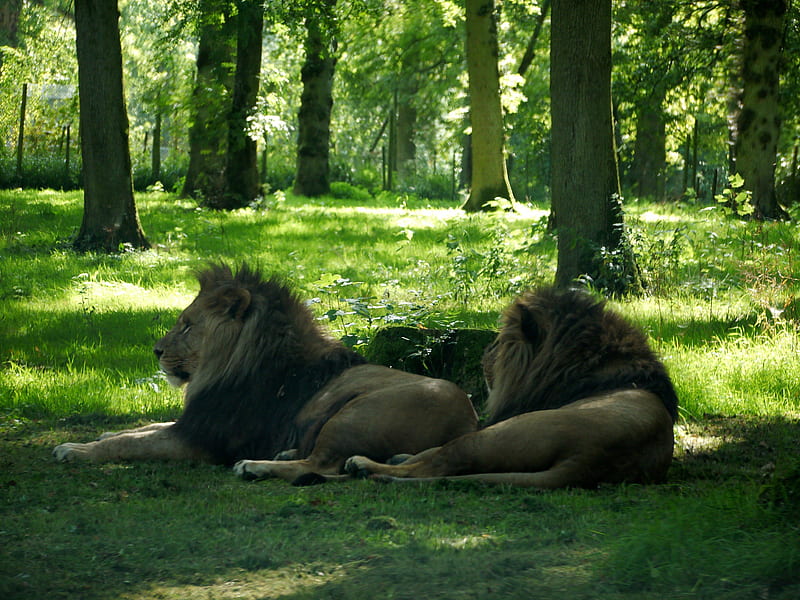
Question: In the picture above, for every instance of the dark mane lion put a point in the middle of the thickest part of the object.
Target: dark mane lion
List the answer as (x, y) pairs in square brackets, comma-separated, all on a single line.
[(558, 346), (261, 377), (577, 398), (280, 359)]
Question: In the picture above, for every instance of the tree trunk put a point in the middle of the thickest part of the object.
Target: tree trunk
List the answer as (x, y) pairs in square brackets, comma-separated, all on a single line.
[(406, 129), (110, 219), (23, 104), (585, 180), (314, 117), (9, 23), (650, 149), (407, 118), (530, 49), (155, 158), (489, 175), (759, 122), (241, 166), (210, 97)]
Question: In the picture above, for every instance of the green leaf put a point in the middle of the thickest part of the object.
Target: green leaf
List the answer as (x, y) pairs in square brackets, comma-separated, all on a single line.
[(736, 181)]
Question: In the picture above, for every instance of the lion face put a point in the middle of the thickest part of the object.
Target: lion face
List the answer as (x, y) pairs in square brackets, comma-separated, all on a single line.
[(204, 333), (178, 351)]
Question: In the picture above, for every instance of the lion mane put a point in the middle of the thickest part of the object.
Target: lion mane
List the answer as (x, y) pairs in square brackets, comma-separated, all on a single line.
[(556, 346), (256, 373)]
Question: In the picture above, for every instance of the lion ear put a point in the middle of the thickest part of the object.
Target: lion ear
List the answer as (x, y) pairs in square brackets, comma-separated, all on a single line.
[(232, 301)]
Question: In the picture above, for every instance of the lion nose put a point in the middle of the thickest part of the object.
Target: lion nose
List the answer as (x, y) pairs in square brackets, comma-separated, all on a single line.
[(158, 352)]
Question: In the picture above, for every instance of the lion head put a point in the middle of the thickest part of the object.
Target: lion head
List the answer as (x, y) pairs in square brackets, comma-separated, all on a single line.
[(558, 346), (249, 353), (235, 325), (211, 323)]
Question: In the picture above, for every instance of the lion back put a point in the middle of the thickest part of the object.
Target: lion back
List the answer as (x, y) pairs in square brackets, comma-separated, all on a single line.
[(558, 346)]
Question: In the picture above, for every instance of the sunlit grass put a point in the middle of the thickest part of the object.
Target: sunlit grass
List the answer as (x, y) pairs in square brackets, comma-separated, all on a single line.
[(713, 281)]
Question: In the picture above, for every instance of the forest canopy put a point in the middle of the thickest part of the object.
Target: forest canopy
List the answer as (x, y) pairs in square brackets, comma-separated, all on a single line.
[(399, 92)]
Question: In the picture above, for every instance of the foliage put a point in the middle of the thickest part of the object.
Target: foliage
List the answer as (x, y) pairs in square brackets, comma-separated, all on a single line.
[(735, 199)]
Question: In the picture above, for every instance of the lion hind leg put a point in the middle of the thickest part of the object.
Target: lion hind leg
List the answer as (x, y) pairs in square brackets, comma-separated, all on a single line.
[(544, 480), (563, 474)]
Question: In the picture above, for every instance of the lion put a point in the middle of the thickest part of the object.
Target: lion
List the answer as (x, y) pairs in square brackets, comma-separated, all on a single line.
[(262, 377), (577, 398)]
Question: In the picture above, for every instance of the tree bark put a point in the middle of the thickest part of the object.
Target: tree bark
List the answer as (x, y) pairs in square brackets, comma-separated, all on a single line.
[(489, 174), (9, 23), (155, 158), (407, 117), (110, 220), (314, 117), (759, 121), (23, 104), (585, 180), (406, 130), (241, 166), (210, 97), (650, 149)]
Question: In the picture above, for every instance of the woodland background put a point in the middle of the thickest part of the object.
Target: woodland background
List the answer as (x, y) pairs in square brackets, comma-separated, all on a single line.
[(400, 109)]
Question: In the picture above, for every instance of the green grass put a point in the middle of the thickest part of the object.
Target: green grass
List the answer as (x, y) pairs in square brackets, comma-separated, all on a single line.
[(76, 336)]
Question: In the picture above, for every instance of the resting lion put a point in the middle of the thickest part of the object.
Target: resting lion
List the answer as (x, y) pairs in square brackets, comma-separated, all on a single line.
[(262, 377), (577, 398)]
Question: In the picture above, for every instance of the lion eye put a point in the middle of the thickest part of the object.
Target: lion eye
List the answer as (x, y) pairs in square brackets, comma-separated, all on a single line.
[(186, 328)]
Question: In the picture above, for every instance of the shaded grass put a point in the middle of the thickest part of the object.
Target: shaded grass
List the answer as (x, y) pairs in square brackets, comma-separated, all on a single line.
[(76, 335)]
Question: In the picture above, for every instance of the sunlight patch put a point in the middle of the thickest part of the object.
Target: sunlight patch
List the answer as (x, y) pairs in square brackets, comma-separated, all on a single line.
[(467, 542), (250, 584), (652, 217)]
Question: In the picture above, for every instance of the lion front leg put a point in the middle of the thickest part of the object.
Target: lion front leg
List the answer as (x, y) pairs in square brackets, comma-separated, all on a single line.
[(150, 427), (146, 443)]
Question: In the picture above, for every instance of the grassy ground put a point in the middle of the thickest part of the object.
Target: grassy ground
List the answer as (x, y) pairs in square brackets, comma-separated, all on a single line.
[(76, 333)]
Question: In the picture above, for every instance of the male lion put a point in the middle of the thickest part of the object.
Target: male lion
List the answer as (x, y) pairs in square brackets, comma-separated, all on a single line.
[(262, 377), (577, 398)]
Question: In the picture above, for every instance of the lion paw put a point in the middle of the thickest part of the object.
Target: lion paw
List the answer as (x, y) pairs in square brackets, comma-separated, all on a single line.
[(357, 466), (247, 470), (69, 452), (292, 454)]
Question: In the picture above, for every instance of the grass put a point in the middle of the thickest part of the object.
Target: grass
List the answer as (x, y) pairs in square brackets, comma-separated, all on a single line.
[(76, 333)]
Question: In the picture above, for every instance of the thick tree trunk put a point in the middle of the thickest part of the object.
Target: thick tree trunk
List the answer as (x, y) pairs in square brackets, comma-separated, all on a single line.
[(489, 175), (314, 117), (759, 122), (110, 219), (585, 181), (210, 99), (241, 166)]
